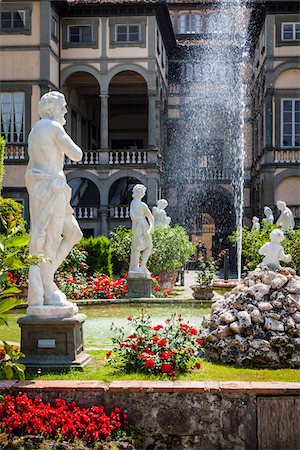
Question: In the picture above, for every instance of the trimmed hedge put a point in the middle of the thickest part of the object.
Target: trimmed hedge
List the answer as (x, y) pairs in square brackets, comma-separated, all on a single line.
[(99, 255)]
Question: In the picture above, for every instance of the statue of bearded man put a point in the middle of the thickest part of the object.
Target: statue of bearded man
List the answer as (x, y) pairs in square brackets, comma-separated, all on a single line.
[(54, 229)]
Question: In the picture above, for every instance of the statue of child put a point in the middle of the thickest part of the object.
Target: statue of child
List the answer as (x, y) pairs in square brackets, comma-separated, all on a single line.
[(273, 252)]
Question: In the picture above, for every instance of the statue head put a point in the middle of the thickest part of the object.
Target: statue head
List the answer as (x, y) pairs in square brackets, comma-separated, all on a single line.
[(267, 211), (162, 203), (53, 106), (276, 236), (255, 219), (281, 205), (138, 191)]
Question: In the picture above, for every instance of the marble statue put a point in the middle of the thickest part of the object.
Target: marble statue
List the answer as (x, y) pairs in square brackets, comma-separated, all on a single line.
[(255, 224), (286, 219), (273, 252), (53, 228), (142, 227), (269, 215), (160, 216)]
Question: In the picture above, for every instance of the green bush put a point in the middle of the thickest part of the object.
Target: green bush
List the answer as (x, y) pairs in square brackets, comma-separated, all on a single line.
[(120, 240), (2, 148), (99, 255), (252, 241), (171, 249), (11, 213)]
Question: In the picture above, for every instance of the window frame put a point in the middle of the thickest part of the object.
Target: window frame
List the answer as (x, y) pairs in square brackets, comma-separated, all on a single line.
[(127, 21), (80, 28), (293, 100), (12, 113), (293, 31), (54, 33), (26, 8), (66, 24), (128, 25)]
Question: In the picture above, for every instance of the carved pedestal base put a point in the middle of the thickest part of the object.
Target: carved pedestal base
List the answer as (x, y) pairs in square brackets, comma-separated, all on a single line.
[(53, 343), (139, 287)]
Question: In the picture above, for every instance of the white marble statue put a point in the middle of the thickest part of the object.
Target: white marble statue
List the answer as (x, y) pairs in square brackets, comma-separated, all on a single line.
[(53, 228), (269, 215), (142, 227), (160, 216), (273, 252), (286, 219), (255, 224)]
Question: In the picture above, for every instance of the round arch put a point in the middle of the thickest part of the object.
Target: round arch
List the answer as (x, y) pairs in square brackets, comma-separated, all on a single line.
[(292, 172), (129, 173), (150, 81), (67, 72), (282, 68), (89, 176)]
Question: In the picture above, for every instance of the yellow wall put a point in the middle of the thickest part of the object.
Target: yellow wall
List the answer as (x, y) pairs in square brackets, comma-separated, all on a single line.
[(17, 65), (290, 79), (289, 191)]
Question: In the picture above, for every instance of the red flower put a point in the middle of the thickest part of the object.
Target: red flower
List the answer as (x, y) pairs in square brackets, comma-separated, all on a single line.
[(167, 368), (165, 355), (129, 318), (158, 327), (108, 354), (199, 341), (134, 346), (149, 363), (193, 331), (198, 365), (162, 342), (156, 289), (155, 339)]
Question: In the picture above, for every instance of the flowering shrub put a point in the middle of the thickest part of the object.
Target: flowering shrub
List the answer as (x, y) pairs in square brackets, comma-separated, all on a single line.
[(207, 272), (8, 367), (160, 349), (66, 421), (156, 289), (98, 286)]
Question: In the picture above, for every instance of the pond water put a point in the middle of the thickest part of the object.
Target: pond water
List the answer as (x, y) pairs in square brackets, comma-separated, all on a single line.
[(96, 329)]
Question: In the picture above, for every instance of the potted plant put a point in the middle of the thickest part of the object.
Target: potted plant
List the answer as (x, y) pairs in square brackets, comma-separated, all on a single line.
[(205, 276)]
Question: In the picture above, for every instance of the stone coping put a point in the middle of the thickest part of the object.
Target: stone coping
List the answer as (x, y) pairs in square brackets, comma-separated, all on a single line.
[(220, 387), (132, 300)]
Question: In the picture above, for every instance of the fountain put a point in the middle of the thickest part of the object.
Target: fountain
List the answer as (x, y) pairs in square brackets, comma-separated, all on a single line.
[(205, 169)]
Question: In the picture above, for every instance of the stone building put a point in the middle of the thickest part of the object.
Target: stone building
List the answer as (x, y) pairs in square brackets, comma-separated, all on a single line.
[(276, 110), (133, 73), (109, 58)]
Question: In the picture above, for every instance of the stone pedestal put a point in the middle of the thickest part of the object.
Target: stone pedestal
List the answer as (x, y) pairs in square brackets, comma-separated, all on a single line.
[(53, 343), (139, 287)]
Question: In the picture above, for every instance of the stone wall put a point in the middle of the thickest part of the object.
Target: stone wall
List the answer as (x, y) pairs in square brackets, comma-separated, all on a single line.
[(179, 415)]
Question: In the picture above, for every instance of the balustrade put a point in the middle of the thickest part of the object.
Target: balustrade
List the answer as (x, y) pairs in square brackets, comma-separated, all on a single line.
[(206, 174), (288, 156), (86, 212), (120, 212), (90, 157), (15, 152), (128, 157)]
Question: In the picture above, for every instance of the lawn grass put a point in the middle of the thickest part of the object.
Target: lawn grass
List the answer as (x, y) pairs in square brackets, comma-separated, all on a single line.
[(210, 371)]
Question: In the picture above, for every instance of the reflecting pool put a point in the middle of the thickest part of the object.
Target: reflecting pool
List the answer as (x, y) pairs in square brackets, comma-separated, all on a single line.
[(96, 329)]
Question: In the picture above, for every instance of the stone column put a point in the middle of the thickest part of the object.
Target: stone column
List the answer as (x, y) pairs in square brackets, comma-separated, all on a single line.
[(103, 220), (151, 119), (104, 121)]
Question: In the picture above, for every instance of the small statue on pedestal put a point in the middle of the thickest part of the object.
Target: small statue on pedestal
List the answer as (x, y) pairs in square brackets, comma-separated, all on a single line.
[(269, 215), (142, 227), (160, 216), (255, 224), (273, 252), (286, 219), (53, 228)]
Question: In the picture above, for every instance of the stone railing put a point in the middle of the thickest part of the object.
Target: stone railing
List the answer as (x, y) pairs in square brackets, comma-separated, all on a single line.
[(216, 174), (86, 212), (119, 212), (135, 156), (287, 156), (15, 152), (90, 157)]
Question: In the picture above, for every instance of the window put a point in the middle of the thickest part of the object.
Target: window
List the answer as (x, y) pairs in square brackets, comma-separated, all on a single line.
[(190, 24), (12, 20), (220, 23), (12, 116), (54, 28), (127, 33), (290, 32), (80, 34), (290, 123)]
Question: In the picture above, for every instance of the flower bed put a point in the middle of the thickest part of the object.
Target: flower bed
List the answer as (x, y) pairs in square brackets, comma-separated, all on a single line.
[(21, 416), (160, 349)]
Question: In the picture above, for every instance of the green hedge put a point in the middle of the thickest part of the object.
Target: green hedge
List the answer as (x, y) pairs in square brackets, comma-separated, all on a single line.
[(99, 254)]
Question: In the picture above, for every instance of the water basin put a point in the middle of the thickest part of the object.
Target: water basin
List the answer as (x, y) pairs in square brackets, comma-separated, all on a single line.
[(96, 329)]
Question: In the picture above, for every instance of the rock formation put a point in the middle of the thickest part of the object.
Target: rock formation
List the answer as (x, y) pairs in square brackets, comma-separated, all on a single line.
[(258, 322)]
